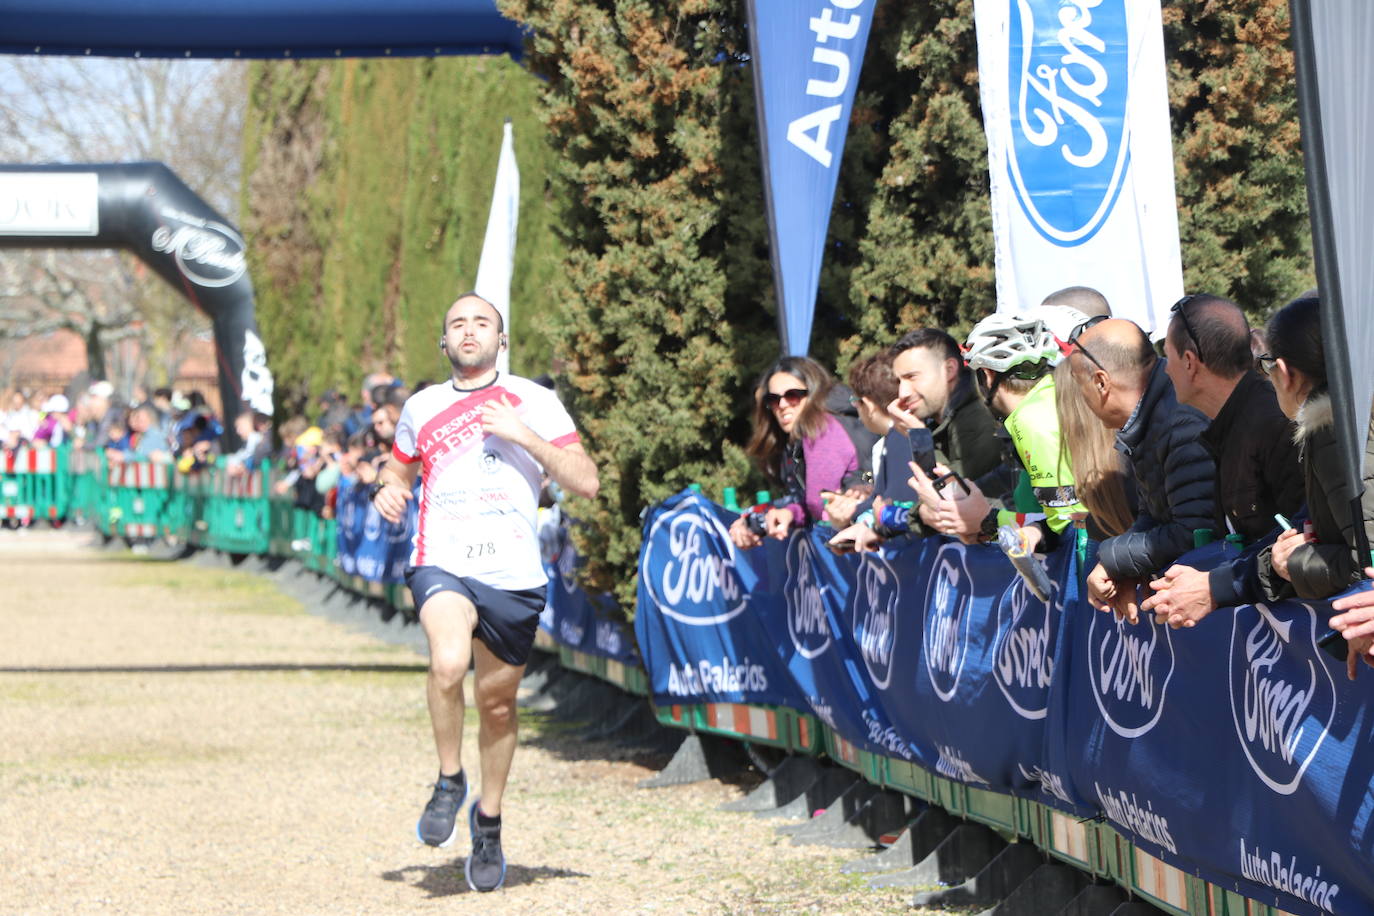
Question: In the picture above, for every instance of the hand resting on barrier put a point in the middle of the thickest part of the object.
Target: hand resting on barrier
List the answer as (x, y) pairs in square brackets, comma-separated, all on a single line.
[(1182, 597), (1356, 624), (1111, 595)]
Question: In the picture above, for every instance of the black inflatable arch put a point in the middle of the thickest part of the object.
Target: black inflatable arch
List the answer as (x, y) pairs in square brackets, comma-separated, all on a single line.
[(145, 208)]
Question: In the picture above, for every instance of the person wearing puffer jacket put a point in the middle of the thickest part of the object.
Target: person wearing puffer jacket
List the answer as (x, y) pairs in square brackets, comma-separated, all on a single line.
[(1322, 561), (1126, 387)]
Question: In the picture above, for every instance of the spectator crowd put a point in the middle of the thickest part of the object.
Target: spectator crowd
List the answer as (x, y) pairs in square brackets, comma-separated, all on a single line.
[(1064, 419), (1034, 428)]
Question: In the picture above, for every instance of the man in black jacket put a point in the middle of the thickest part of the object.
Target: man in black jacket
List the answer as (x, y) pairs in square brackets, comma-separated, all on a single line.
[(1125, 386), (1258, 472)]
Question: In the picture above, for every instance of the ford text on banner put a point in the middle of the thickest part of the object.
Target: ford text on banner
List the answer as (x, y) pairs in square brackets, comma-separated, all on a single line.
[(806, 57), (1075, 106)]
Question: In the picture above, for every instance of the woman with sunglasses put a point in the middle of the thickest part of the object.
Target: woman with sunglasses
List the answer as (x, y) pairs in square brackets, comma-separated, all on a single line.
[(1320, 561), (798, 444)]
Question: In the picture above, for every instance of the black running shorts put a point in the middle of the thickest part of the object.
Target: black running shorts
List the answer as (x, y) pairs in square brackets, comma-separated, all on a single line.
[(506, 620)]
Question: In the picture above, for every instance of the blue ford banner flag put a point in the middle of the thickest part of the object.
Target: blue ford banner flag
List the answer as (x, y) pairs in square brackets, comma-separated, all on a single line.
[(806, 58), (1075, 108), (700, 613)]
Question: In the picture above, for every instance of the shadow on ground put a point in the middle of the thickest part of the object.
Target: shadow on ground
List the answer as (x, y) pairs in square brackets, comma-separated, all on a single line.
[(448, 880), (218, 669)]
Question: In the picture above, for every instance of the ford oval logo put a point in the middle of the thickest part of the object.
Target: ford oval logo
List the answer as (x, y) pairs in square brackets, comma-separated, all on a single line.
[(1130, 666), (1283, 698), (1069, 76), (689, 569), (806, 619), (1023, 660), (946, 635), (877, 595)]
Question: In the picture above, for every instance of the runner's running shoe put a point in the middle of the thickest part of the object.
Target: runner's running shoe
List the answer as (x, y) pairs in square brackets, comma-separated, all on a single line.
[(486, 865), (439, 824)]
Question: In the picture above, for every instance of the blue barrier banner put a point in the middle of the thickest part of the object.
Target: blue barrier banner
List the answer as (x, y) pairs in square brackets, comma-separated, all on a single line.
[(806, 59), (700, 612), (1235, 750), (980, 678), (579, 620), (822, 636), (368, 545), (350, 508)]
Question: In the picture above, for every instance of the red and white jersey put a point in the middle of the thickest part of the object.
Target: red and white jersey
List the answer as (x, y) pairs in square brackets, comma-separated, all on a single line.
[(479, 496)]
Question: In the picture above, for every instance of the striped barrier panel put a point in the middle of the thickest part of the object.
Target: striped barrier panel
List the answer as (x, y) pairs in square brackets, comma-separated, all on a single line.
[(34, 483), (677, 716), (140, 497), (758, 724), (239, 517)]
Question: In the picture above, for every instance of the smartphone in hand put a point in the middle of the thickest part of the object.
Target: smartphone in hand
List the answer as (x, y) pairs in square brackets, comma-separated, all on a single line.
[(841, 546)]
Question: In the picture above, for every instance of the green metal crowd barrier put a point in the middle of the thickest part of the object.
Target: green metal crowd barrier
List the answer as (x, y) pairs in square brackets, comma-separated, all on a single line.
[(237, 513), (35, 483)]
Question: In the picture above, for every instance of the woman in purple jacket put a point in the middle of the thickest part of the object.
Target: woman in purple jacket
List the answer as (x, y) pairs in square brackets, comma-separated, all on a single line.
[(798, 444)]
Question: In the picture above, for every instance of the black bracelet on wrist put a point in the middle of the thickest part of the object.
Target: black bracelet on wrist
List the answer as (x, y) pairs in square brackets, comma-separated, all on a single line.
[(373, 490)]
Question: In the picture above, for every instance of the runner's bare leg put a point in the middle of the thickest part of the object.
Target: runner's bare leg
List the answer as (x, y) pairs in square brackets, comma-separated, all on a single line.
[(448, 620), (495, 686)]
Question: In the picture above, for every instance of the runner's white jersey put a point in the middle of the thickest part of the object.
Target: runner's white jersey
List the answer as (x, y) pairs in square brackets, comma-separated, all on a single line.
[(479, 496)]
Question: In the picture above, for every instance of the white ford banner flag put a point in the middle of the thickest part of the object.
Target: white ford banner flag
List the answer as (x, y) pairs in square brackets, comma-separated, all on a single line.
[(1075, 107)]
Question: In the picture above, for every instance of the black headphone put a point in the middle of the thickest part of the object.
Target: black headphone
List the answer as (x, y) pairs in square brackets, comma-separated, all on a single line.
[(502, 339)]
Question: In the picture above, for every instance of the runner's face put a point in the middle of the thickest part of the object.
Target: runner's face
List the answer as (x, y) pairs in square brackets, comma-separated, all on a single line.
[(471, 338)]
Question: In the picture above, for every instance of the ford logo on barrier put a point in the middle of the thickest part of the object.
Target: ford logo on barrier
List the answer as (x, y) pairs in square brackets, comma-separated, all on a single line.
[(1130, 666), (946, 631), (566, 564), (1283, 698), (689, 568), (877, 594), (372, 523), (1023, 657), (1068, 68), (805, 595)]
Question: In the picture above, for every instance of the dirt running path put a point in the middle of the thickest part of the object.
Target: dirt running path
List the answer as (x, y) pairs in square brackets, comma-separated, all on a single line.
[(177, 739)]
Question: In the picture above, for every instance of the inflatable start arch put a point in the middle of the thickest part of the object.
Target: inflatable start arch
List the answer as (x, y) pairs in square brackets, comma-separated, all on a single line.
[(145, 208)]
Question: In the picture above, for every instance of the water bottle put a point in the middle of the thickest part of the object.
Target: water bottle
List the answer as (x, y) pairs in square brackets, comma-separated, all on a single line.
[(730, 500)]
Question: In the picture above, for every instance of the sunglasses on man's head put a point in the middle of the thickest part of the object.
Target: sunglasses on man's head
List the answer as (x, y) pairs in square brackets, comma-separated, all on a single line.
[(1179, 309), (1079, 331), (792, 396), (1266, 364)]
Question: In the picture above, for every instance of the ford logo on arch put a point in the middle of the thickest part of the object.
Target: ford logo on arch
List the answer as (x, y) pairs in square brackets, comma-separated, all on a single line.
[(1069, 79), (689, 567)]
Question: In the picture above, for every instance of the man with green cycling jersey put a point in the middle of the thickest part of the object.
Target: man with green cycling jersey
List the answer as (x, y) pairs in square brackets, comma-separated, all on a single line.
[(1012, 358)]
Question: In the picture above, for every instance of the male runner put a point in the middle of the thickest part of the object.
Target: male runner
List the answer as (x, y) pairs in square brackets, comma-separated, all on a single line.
[(482, 441)]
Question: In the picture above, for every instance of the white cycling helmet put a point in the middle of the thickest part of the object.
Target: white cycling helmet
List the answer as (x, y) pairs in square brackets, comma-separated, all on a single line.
[(1002, 342), (1062, 320)]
